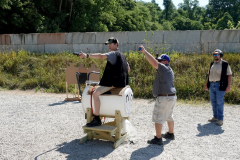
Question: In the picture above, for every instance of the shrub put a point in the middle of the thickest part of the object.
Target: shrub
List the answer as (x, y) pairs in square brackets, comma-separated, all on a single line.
[(27, 71)]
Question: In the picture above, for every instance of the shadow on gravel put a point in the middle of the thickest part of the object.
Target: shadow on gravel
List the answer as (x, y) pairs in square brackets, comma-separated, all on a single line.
[(148, 152), (209, 129), (94, 149), (63, 102)]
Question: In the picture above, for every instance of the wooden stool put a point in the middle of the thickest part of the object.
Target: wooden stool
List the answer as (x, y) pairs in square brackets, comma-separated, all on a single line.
[(109, 131)]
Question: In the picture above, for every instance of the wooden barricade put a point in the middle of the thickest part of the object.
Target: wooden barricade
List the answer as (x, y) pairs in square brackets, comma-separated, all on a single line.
[(71, 78)]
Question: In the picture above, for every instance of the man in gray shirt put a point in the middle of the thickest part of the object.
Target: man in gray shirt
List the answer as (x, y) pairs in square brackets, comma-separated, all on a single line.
[(115, 74), (164, 90)]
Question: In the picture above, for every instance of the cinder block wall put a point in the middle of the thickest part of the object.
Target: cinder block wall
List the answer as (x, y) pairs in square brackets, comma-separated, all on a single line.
[(194, 41)]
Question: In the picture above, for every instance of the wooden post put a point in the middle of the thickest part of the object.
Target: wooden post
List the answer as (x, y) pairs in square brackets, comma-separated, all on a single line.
[(89, 118), (75, 90), (67, 89), (78, 91), (118, 123)]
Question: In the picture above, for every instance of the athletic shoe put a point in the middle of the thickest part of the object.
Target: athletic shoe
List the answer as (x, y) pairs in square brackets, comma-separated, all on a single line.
[(94, 123), (168, 136), (155, 140)]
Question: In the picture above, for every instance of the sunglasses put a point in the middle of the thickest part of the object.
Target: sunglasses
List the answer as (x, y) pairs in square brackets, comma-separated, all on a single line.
[(161, 60), (215, 55)]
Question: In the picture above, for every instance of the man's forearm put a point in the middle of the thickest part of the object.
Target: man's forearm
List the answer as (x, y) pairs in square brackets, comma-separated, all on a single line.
[(97, 56), (151, 59), (229, 80)]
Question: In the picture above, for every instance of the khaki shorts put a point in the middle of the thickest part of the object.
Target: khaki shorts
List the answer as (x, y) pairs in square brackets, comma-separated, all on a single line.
[(103, 89), (163, 109)]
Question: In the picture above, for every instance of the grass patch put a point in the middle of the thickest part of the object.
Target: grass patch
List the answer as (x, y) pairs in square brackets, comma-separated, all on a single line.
[(22, 70)]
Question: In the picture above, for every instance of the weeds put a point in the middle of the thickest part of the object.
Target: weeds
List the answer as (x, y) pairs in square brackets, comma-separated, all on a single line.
[(47, 72)]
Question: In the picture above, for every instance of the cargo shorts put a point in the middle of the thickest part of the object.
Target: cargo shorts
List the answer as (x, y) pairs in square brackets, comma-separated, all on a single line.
[(163, 109), (103, 89)]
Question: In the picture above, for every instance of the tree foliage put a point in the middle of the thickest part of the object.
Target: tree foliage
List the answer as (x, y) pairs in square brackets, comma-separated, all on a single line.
[(51, 16)]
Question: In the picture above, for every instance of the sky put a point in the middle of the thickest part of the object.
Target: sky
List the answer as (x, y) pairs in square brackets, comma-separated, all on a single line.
[(202, 3)]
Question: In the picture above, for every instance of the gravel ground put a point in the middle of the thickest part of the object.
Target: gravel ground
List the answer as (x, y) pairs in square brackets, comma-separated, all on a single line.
[(43, 126)]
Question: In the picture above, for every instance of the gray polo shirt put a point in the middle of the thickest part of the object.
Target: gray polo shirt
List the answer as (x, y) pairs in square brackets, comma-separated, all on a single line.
[(164, 80)]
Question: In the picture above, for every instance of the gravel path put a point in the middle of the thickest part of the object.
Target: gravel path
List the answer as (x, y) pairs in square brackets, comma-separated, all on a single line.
[(43, 126)]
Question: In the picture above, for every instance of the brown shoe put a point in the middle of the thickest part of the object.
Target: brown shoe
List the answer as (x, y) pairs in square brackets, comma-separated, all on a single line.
[(219, 122), (213, 120)]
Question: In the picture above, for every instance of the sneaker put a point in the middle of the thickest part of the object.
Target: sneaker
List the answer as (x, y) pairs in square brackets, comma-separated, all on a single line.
[(94, 123), (219, 122), (213, 119), (155, 140), (168, 136)]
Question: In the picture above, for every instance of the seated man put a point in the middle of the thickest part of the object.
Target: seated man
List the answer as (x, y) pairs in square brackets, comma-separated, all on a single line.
[(115, 74)]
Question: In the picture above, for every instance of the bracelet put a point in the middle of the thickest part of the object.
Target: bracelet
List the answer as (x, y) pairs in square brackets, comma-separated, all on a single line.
[(87, 55)]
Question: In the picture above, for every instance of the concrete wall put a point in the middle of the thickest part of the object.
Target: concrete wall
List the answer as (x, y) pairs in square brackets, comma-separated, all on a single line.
[(194, 41)]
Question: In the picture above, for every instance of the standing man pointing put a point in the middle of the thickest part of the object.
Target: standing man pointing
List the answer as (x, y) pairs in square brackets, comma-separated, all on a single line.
[(164, 90)]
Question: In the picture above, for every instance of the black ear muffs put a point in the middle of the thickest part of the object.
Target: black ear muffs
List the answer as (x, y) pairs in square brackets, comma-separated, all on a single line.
[(221, 55)]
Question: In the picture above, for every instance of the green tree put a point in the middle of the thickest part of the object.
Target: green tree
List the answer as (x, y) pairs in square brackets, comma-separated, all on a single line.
[(168, 8), (19, 16), (196, 25), (218, 8), (207, 26), (167, 26), (192, 8), (223, 22)]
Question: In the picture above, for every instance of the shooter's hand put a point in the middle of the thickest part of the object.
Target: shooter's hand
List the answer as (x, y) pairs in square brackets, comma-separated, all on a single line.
[(82, 55)]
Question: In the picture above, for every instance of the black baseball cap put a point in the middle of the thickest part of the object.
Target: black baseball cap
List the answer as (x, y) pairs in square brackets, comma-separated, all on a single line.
[(112, 40)]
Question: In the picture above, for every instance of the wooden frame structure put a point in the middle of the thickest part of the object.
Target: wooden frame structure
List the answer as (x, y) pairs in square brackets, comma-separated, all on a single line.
[(109, 131), (76, 98), (71, 78)]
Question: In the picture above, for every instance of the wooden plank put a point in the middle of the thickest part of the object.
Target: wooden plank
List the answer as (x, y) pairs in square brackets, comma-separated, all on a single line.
[(71, 74), (73, 99), (108, 116), (90, 135), (118, 123), (103, 128), (118, 142), (89, 115), (89, 119), (98, 136), (84, 139), (66, 90), (113, 123), (105, 135)]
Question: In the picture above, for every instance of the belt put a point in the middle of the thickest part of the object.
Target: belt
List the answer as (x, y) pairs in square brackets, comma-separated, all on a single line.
[(215, 81), (167, 94)]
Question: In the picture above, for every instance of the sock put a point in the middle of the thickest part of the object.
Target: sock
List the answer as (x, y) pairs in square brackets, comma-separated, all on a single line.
[(97, 117)]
